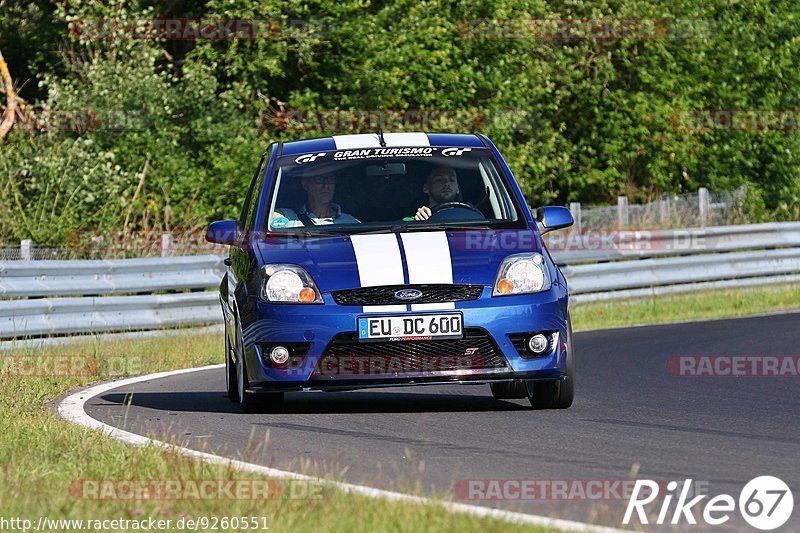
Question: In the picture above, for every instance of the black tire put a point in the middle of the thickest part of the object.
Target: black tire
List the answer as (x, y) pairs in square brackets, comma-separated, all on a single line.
[(230, 372), (250, 402), (556, 394), (509, 391)]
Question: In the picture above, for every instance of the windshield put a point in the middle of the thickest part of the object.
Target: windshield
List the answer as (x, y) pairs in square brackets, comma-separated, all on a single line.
[(350, 191)]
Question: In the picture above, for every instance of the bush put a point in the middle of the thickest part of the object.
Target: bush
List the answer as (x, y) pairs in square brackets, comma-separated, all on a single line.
[(578, 119)]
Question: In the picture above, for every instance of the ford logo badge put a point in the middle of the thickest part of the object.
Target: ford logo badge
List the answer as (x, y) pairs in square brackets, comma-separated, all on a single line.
[(407, 294)]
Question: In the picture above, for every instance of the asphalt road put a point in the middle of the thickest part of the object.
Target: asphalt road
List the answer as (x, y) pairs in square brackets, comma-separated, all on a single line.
[(630, 415)]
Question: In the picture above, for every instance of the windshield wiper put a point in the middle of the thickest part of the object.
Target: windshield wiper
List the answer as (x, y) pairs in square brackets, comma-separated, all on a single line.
[(306, 233), (403, 228), (445, 227), (390, 229)]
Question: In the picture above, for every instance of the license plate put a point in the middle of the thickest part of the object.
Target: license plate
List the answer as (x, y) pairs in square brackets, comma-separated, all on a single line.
[(410, 327)]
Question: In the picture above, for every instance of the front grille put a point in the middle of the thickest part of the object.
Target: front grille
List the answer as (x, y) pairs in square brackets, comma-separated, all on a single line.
[(431, 293), (345, 356)]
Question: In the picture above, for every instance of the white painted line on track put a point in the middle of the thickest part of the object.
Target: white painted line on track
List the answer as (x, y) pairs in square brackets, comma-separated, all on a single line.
[(71, 408)]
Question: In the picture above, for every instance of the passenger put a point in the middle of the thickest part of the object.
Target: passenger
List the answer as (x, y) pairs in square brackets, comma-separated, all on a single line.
[(319, 208)]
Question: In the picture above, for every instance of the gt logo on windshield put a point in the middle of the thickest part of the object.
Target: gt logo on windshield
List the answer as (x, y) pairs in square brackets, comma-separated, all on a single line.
[(455, 151), (308, 158)]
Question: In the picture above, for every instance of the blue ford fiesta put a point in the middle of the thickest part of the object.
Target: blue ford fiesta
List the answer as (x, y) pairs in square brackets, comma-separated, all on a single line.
[(392, 259)]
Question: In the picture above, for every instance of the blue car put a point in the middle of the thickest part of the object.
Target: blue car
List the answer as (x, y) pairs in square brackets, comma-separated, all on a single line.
[(391, 259)]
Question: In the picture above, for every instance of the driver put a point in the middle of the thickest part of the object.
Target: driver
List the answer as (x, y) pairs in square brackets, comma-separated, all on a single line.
[(441, 186)]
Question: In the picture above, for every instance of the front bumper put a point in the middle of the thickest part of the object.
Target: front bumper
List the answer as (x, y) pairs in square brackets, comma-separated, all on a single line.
[(314, 329)]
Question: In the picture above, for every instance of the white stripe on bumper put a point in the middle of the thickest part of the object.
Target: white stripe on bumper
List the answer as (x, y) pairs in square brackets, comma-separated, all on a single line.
[(379, 263), (428, 259)]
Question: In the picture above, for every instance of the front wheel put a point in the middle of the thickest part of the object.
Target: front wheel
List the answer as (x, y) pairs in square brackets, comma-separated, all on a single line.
[(556, 394), (230, 372)]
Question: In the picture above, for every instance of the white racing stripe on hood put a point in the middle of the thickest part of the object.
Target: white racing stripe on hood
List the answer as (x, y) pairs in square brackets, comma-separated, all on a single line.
[(406, 139), (428, 259), (370, 140), (365, 140), (379, 263)]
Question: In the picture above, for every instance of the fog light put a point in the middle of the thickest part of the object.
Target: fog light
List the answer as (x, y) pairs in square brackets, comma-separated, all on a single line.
[(279, 355), (538, 344)]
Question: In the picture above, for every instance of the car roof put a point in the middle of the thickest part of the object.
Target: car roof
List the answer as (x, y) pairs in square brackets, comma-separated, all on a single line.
[(371, 140)]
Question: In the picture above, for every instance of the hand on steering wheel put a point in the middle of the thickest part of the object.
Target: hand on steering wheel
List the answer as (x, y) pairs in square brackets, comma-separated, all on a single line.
[(455, 205)]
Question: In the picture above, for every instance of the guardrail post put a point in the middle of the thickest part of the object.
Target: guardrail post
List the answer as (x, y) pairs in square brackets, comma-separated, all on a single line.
[(25, 249), (623, 218), (575, 209), (663, 209), (702, 195), (166, 245)]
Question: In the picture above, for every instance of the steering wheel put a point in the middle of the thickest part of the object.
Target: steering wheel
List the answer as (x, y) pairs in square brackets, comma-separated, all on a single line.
[(455, 205)]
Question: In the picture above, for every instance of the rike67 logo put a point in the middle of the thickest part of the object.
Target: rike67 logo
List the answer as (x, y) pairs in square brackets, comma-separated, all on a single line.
[(765, 503)]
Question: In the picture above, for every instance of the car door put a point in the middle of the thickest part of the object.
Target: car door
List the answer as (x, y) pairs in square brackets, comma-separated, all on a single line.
[(241, 256)]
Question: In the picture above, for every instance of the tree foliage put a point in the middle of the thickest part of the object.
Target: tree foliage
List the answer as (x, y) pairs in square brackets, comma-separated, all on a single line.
[(579, 119)]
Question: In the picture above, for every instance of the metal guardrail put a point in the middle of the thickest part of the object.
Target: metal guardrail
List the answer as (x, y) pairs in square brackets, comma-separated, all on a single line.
[(20, 279), (626, 279), (570, 248), (62, 316), (43, 298), (604, 277)]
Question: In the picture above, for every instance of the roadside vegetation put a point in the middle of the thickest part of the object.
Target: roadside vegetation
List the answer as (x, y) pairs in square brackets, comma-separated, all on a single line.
[(42, 457), (701, 305), (120, 133)]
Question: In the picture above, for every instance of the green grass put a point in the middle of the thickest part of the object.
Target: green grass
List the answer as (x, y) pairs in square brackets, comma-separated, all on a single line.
[(41, 456), (679, 308)]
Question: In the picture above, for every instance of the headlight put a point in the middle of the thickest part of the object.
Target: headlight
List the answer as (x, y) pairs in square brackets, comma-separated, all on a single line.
[(288, 283), (520, 274)]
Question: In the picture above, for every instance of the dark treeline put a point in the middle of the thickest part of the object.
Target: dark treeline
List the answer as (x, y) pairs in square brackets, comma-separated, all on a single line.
[(133, 117)]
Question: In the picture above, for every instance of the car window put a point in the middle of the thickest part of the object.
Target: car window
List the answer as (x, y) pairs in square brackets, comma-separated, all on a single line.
[(247, 209), (256, 196), (364, 189)]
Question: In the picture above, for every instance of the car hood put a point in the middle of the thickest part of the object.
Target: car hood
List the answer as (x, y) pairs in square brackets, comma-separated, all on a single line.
[(352, 261)]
